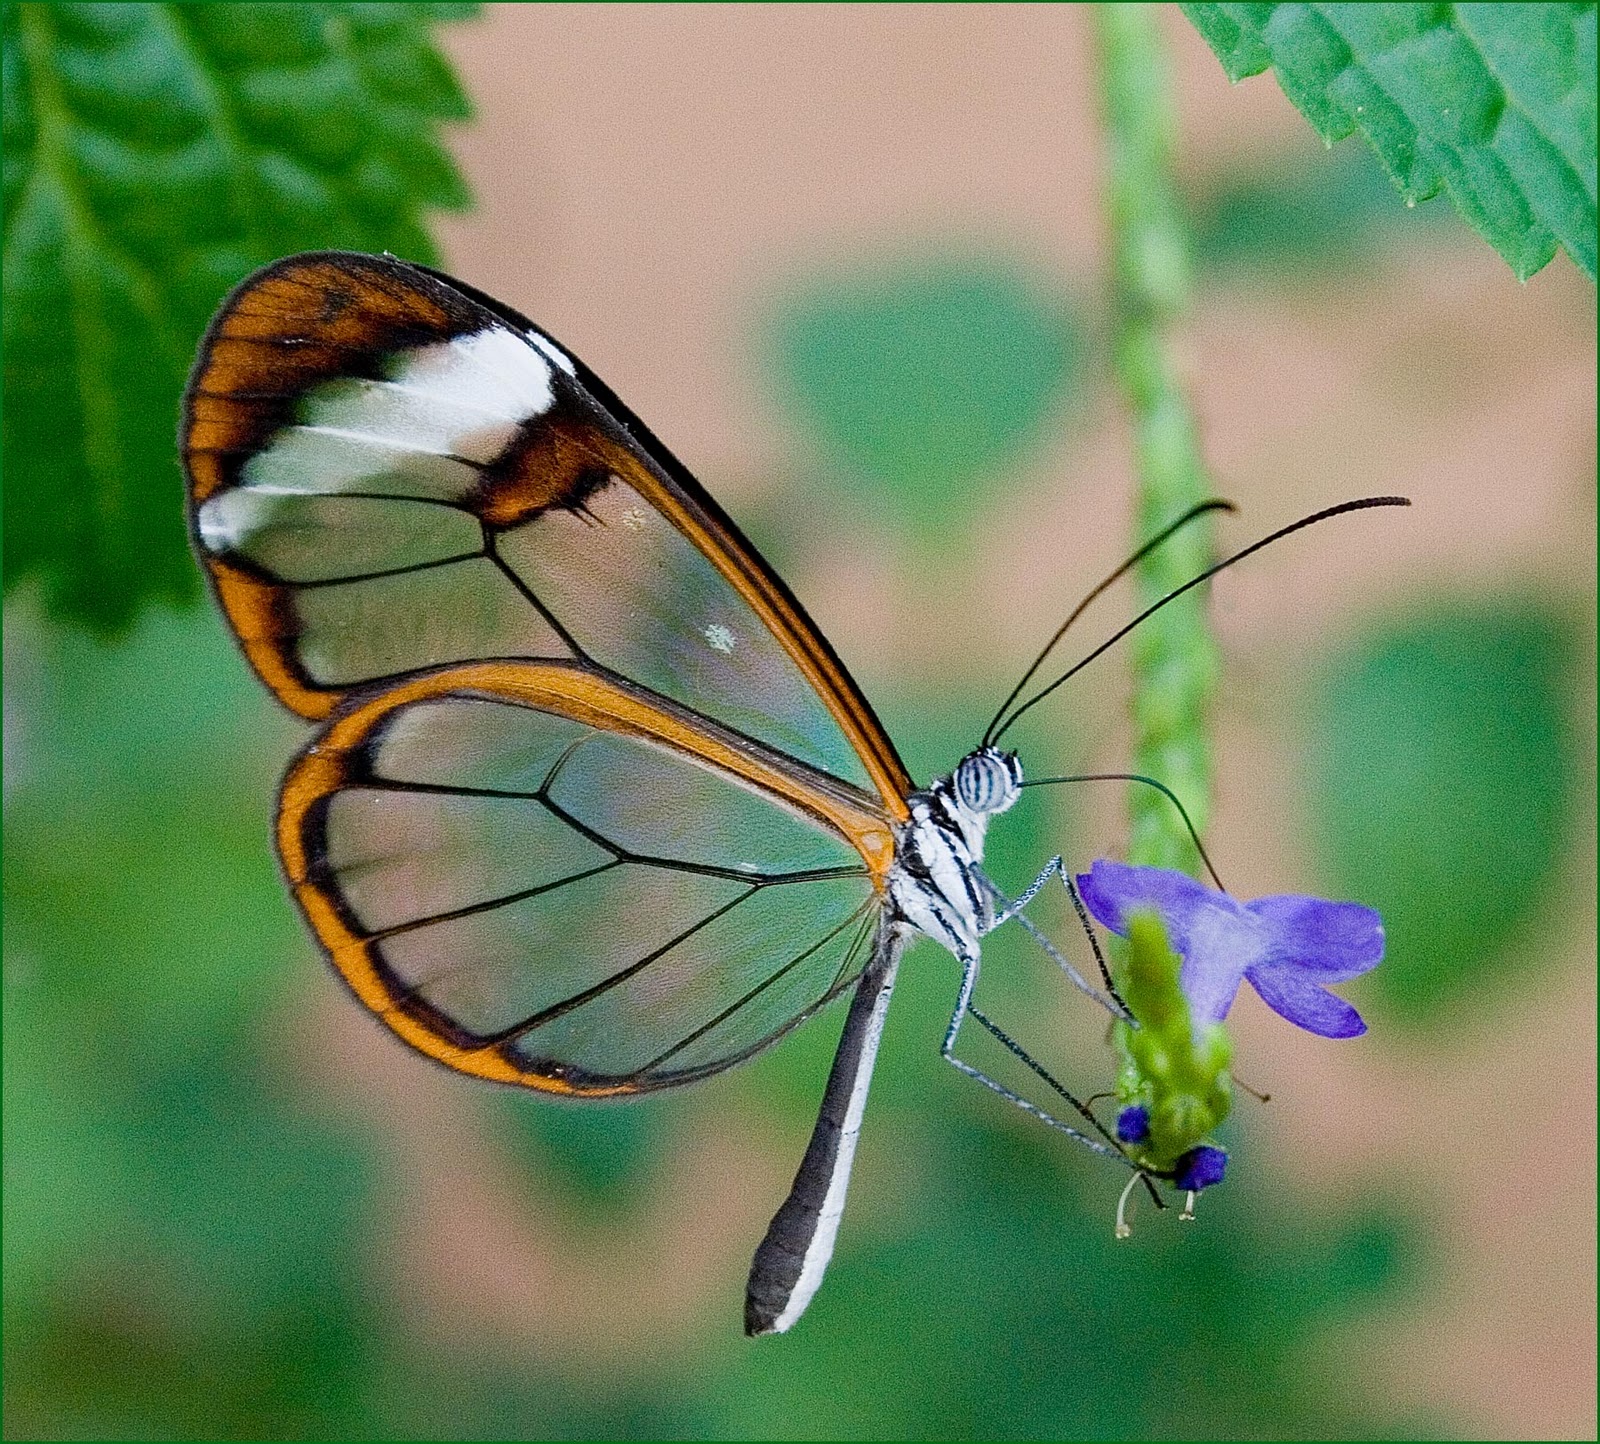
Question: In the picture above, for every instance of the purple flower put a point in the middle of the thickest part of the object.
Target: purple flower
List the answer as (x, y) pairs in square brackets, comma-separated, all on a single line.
[(1133, 1124), (1287, 946), (1200, 1168)]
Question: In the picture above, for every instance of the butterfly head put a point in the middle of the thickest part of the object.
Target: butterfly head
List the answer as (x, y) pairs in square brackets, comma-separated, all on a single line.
[(988, 780)]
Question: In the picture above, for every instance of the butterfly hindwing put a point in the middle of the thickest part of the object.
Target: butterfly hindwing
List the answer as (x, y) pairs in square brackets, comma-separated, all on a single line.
[(543, 878)]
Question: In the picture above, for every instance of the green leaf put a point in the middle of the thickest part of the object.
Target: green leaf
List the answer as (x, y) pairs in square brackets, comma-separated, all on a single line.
[(1494, 103), (1443, 762), (926, 378), (154, 154)]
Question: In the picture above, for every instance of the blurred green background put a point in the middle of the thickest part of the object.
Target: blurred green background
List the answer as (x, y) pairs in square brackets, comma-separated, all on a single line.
[(234, 1208)]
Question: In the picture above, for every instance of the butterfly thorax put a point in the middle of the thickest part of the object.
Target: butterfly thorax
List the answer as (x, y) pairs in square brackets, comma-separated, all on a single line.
[(935, 884)]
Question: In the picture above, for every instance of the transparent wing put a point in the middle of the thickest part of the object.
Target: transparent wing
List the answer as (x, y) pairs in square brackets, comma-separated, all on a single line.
[(389, 472), (548, 880)]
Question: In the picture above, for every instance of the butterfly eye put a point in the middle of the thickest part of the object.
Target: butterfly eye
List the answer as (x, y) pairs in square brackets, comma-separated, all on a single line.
[(987, 781)]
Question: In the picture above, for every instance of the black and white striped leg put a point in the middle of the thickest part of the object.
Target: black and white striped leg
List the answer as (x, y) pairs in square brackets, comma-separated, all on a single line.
[(1082, 1108), (1110, 1000), (1011, 910), (1094, 947), (969, 979), (1028, 1061)]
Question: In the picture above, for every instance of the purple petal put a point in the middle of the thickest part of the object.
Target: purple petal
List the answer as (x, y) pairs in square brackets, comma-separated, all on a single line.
[(1112, 890), (1327, 942), (1224, 941), (1289, 994), (1216, 937)]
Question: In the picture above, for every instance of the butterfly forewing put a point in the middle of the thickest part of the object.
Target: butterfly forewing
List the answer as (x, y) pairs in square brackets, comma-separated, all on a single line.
[(388, 475)]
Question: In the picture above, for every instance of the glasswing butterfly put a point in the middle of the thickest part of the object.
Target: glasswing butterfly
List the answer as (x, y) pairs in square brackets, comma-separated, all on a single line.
[(593, 808)]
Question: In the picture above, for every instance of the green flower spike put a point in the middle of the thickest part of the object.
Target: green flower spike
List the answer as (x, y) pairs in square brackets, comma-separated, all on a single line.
[(1176, 1071)]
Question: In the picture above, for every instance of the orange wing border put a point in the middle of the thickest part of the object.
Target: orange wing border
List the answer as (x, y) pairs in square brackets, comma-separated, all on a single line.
[(569, 690)]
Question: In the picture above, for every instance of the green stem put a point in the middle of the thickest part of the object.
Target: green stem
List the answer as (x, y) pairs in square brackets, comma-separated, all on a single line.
[(1174, 656), (1176, 1070)]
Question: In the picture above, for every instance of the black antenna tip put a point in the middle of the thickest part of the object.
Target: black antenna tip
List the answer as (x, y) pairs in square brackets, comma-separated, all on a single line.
[(999, 728)]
